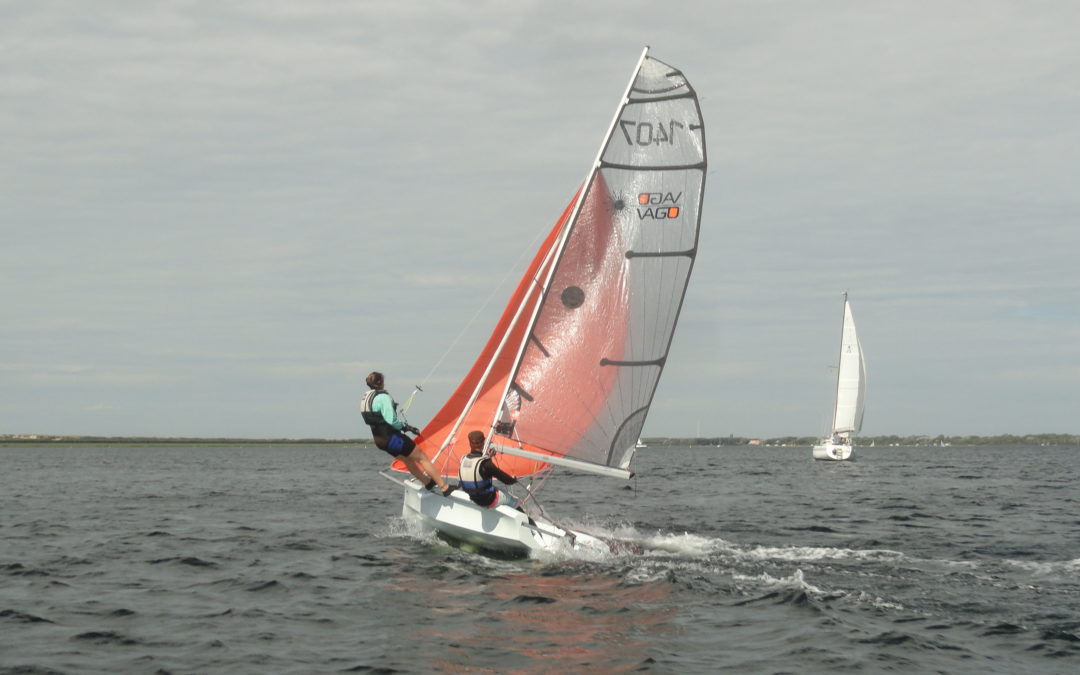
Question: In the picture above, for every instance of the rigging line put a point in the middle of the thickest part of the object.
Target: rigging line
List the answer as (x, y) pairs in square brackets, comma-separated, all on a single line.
[(404, 408), (538, 478), (483, 306)]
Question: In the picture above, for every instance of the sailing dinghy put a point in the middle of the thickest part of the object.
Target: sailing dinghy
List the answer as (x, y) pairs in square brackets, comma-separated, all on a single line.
[(847, 415), (569, 373)]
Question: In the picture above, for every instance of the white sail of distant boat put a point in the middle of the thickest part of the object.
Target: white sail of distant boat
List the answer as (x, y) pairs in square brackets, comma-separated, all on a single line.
[(640, 443), (847, 417), (569, 373)]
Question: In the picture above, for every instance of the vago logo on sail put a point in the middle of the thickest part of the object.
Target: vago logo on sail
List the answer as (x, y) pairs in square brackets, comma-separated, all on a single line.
[(654, 205), (658, 205)]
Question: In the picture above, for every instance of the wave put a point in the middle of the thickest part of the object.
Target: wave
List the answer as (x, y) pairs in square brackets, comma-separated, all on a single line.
[(107, 638), (22, 617), (713, 564), (191, 561), (689, 545), (819, 553), (1045, 569)]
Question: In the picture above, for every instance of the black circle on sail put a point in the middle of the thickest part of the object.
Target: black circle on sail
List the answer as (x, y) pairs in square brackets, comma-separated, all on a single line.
[(573, 297)]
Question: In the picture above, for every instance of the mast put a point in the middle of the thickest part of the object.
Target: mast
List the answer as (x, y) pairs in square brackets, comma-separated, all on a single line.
[(487, 371), (839, 359), (565, 236)]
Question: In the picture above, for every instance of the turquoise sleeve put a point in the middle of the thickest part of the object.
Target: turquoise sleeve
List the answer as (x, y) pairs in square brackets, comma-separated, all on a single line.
[(384, 405)]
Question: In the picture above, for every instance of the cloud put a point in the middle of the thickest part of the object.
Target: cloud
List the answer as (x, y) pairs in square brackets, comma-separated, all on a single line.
[(57, 376), (212, 207)]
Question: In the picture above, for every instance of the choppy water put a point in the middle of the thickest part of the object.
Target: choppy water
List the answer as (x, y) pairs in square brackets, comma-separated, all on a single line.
[(292, 559)]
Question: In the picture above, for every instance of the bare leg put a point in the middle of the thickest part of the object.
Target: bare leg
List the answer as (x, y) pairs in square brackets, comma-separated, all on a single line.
[(417, 461), (423, 461), (415, 470)]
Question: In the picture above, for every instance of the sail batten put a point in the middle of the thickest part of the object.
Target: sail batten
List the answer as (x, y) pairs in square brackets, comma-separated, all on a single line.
[(632, 167), (655, 99), (662, 254), (654, 362)]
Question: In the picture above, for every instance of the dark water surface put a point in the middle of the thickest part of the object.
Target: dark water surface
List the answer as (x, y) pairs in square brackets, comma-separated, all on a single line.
[(293, 559)]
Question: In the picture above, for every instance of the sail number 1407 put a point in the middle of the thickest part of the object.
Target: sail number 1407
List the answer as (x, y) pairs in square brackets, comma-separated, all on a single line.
[(648, 133)]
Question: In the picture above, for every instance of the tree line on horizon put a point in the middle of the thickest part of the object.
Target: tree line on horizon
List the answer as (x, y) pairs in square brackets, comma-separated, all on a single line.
[(889, 440)]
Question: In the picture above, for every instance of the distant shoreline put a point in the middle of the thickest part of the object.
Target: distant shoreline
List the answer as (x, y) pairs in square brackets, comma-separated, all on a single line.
[(726, 441), (46, 439)]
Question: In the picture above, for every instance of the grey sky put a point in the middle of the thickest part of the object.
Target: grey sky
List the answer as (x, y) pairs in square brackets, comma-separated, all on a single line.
[(218, 216)]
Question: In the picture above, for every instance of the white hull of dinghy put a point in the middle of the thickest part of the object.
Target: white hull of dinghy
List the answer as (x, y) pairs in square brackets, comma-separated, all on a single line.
[(502, 529), (828, 450)]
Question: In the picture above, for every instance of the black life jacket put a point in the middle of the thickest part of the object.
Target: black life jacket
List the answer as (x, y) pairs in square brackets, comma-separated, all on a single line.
[(381, 430), (472, 482)]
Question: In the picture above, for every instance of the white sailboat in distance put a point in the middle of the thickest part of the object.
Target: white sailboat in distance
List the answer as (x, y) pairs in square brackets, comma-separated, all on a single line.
[(847, 417), (569, 372)]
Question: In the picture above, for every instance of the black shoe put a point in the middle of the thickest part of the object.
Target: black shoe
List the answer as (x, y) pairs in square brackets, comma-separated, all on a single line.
[(430, 485), (449, 489)]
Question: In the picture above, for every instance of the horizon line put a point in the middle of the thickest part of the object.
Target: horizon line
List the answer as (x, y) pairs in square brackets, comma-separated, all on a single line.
[(313, 439)]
